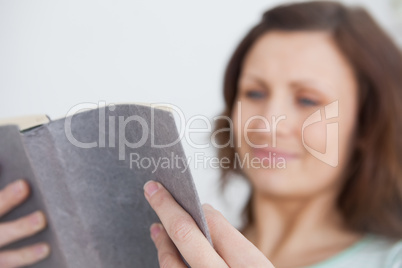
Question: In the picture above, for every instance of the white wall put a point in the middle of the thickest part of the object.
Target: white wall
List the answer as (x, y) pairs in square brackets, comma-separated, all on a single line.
[(56, 54)]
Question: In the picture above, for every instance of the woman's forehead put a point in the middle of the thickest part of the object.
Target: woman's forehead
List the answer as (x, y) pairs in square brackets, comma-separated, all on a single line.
[(287, 50), (297, 58)]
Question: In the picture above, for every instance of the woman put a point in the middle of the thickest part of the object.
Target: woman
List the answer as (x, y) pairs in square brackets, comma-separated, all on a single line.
[(316, 88)]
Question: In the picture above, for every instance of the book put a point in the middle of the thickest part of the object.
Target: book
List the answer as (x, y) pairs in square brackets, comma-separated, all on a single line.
[(86, 172)]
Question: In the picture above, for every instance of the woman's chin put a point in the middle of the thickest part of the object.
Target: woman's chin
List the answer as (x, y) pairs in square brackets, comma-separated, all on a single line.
[(278, 183)]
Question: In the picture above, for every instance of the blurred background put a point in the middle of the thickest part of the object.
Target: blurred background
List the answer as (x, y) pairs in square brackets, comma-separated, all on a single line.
[(57, 54)]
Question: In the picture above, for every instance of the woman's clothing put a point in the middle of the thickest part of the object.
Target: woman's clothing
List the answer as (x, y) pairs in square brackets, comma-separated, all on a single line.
[(371, 251)]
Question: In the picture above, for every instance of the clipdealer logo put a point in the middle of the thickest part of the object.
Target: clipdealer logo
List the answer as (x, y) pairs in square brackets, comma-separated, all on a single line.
[(331, 155), (330, 111)]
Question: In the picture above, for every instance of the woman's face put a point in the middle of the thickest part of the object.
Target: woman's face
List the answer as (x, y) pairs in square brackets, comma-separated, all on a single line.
[(285, 78)]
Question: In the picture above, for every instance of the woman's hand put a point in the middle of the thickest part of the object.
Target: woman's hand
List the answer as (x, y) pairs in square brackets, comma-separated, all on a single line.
[(11, 196), (180, 233)]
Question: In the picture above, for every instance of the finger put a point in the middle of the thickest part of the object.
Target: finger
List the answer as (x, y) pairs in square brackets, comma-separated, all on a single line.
[(24, 256), (230, 244), (21, 228), (181, 228), (12, 195), (168, 255)]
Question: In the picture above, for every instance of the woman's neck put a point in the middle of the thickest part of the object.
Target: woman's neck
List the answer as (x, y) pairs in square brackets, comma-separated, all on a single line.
[(289, 227)]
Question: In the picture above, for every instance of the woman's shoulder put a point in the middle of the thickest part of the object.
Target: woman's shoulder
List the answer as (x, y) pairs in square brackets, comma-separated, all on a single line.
[(387, 251), (372, 251)]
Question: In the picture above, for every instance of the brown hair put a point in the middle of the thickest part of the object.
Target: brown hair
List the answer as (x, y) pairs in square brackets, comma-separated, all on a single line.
[(371, 198)]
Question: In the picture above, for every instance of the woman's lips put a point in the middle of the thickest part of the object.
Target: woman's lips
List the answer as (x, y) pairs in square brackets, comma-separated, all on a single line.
[(271, 153)]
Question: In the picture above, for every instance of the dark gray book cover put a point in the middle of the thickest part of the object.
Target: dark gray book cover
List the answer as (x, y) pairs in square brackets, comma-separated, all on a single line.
[(87, 172)]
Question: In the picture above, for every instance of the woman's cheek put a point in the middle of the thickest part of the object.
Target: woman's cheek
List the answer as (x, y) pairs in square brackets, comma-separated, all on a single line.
[(239, 120), (316, 138), (243, 139)]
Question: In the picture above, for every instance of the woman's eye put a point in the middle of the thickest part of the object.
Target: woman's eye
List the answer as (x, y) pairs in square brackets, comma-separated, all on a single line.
[(253, 94), (307, 102)]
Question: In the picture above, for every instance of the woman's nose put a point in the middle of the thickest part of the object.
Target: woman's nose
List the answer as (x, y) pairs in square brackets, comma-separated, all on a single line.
[(278, 113)]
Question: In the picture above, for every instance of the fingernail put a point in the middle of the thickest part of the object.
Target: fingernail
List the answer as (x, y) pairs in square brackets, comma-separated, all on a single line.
[(36, 219), (151, 187), (42, 250), (17, 187), (155, 230)]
